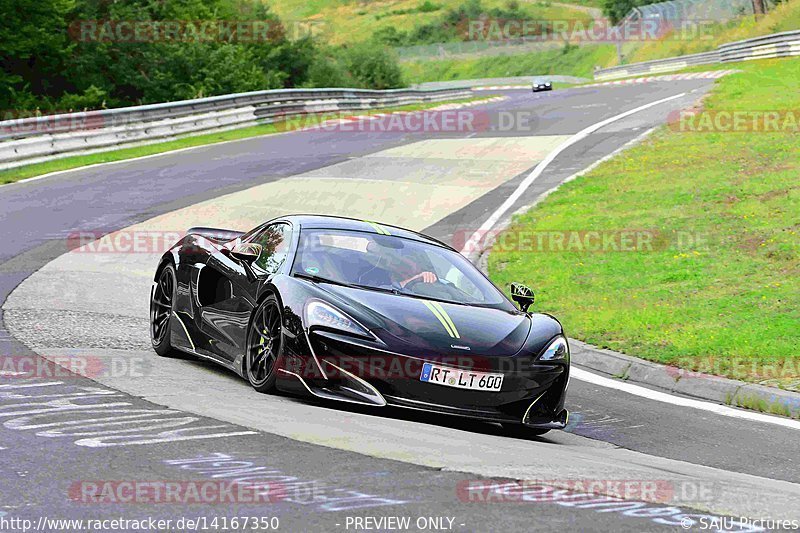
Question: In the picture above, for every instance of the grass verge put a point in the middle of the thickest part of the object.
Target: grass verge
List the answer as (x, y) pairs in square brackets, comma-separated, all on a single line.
[(581, 61), (716, 290), (67, 163), (566, 61), (757, 403), (345, 21)]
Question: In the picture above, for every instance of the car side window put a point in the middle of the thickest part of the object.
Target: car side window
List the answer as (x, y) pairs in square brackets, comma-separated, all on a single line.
[(275, 241)]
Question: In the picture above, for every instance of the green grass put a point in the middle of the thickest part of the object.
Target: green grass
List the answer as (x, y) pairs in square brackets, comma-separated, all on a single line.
[(66, 163), (586, 3), (575, 61), (349, 21), (581, 61), (757, 403), (729, 307)]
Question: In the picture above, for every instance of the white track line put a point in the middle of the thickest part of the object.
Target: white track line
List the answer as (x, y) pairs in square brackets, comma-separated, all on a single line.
[(471, 243), (651, 394)]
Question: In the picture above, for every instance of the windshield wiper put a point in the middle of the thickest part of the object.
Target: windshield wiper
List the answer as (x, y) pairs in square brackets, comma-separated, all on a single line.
[(442, 300), (319, 279), (379, 289)]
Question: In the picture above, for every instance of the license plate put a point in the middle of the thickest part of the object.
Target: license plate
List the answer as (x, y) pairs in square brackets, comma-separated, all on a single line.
[(461, 379)]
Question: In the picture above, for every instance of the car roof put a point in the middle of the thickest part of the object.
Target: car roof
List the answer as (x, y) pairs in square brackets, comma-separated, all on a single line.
[(354, 224)]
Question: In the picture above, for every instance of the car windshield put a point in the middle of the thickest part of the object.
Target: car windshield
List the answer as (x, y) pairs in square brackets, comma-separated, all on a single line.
[(391, 263)]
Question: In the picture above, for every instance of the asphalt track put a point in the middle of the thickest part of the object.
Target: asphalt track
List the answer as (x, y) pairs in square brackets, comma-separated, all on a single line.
[(59, 431)]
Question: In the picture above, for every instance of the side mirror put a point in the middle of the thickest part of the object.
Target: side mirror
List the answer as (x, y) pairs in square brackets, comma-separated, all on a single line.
[(247, 252), (523, 295)]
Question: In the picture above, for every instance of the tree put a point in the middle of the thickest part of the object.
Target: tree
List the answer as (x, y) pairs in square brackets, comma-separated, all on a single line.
[(373, 67), (33, 48), (53, 58), (616, 10)]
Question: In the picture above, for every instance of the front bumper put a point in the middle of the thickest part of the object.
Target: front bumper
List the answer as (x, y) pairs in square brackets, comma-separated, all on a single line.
[(532, 393)]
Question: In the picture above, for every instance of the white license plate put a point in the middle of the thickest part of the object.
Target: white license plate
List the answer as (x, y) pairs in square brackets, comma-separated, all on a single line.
[(461, 379)]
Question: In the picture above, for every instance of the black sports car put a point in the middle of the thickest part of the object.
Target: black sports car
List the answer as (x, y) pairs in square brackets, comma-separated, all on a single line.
[(361, 312), (541, 85)]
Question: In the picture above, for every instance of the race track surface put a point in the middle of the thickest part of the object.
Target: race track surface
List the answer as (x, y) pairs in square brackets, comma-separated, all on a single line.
[(154, 419)]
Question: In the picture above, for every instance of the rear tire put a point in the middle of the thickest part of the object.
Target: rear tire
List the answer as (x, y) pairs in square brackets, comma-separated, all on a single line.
[(162, 304), (264, 345), (522, 431)]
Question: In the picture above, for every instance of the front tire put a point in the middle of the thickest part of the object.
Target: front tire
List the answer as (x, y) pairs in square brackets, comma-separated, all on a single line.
[(264, 345), (161, 308)]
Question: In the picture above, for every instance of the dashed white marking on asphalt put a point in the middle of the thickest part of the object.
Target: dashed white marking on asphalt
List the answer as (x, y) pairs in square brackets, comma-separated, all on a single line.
[(323, 496), (61, 413), (680, 401)]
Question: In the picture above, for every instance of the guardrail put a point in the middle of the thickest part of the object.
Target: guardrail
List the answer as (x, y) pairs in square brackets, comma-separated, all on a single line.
[(35, 139), (657, 66), (783, 44)]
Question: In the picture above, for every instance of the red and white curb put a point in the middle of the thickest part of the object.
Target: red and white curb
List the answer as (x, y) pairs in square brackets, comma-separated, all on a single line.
[(710, 75)]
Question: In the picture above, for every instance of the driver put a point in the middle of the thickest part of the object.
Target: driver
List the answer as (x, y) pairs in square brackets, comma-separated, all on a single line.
[(406, 269)]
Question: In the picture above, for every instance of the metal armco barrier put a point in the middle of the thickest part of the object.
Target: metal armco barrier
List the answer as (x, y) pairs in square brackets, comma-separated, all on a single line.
[(657, 66), (784, 44), (36, 139)]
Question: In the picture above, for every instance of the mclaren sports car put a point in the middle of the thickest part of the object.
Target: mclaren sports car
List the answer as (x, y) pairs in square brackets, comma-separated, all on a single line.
[(361, 312)]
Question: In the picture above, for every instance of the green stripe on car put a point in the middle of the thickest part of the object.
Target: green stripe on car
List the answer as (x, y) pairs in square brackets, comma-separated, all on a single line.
[(439, 312)]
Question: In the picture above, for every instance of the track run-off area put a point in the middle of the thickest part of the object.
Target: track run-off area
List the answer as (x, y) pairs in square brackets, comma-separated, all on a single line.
[(631, 458)]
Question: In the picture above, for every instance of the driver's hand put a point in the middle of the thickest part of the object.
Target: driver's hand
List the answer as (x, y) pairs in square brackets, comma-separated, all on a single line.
[(426, 277), (429, 277)]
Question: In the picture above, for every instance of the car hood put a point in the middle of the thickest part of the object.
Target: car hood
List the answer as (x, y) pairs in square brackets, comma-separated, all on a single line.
[(414, 325)]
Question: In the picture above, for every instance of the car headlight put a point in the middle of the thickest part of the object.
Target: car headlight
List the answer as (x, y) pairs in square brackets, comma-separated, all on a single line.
[(324, 315), (557, 350)]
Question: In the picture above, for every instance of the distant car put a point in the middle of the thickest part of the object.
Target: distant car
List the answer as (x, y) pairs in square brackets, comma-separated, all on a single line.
[(541, 85), (361, 312)]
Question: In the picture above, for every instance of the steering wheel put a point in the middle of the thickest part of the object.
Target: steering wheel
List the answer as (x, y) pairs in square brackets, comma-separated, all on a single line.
[(413, 283), (437, 289)]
